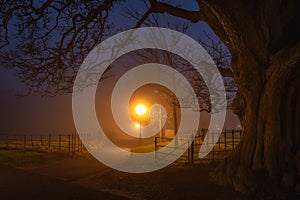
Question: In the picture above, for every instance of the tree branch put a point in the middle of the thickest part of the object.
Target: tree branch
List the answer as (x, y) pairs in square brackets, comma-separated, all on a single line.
[(193, 16), (144, 17)]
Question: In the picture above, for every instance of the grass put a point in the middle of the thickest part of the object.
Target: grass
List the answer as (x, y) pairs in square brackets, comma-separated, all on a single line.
[(143, 149), (29, 159)]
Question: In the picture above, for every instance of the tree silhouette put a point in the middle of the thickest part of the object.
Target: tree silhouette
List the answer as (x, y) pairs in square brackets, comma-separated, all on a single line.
[(262, 36), (52, 39)]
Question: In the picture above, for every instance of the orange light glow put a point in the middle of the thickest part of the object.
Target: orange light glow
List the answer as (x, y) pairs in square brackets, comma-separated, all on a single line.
[(137, 126), (140, 109)]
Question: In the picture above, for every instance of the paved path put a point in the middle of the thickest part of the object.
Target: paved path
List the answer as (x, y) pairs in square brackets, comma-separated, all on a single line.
[(19, 184), (72, 169), (83, 177)]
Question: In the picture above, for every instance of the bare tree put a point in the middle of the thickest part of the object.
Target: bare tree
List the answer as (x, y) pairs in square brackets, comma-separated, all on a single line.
[(51, 39), (262, 36)]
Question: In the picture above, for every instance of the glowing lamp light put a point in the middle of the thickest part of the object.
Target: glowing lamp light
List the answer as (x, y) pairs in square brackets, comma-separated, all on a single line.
[(137, 126), (140, 109)]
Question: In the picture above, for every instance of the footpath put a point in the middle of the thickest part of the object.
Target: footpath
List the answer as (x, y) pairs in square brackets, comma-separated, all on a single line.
[(83, 177)]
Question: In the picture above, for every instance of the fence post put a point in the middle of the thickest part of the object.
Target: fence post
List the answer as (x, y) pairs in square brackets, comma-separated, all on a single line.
[(7, 141), (155, 147), (41, 142), (81, 144), (192, 151), (24, 147), (78, 144), (189, 152), (59, 143), (225, 140), (31, 137), (15, 141), (213, 141), (49, 142), (72, 144), (219, 140), (232, 138), (69, 143)]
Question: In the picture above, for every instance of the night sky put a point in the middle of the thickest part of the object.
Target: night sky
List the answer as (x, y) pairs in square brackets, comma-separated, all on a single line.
[(34, 114)]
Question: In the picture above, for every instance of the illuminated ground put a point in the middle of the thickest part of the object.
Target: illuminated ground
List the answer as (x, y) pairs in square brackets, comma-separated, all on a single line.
[(82, 177)]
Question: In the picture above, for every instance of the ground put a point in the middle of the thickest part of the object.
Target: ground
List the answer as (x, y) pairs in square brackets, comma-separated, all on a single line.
[(82, 177)]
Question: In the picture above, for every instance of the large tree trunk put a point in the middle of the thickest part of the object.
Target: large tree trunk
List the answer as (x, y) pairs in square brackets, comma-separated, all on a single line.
[(268, 106), (263, 38), (266, 62)]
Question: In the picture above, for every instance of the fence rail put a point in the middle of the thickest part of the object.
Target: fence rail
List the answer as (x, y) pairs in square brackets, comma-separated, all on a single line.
[(52, 143), (170, 151), (225, 144)]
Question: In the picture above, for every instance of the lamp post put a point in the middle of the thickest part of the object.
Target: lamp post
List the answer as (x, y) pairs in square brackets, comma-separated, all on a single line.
[(140, 110), (159, 115), (160, 132)]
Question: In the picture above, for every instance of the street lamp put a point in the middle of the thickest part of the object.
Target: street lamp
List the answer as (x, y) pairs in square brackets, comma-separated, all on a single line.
[(140, 110), (159, 117), (137, 125)]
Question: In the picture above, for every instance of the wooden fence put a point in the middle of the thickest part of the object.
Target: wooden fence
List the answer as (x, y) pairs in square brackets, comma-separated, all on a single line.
[(52, 143), (225, 144)]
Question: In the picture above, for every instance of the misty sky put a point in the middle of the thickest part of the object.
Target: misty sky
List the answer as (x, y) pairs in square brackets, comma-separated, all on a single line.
[(36, 115)]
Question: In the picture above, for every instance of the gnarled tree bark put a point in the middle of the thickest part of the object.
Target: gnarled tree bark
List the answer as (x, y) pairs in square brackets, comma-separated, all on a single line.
[(263, 39)]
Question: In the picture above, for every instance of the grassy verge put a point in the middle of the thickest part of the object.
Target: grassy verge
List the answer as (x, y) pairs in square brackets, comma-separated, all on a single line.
[(29, 159), (143, 149)]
